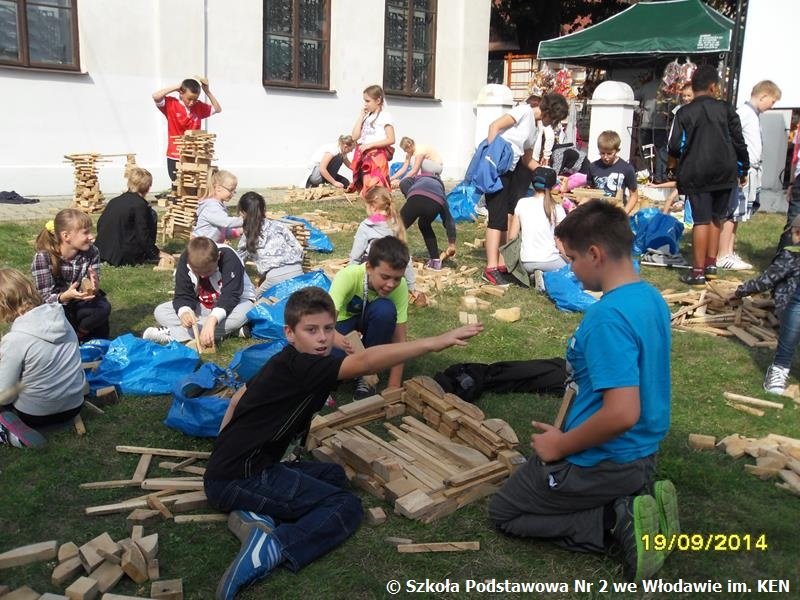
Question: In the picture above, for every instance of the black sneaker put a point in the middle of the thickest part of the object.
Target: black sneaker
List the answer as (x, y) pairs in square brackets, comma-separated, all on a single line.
[(637, 522), (363, 389), (710, 272), (691, 278), (491, 276)]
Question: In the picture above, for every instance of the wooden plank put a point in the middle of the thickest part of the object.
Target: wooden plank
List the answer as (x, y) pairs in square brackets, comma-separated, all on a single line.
[(743, 335), (126, 505), (163, 452), (167, 589), (752, 401), (109, 485), (413, 505), (80, 428), (699, 441), (566, 402), (355, 343), (206, 518), (364, 405), (746, 409), (439, 547), (133, 562), (83, 588), (140, 473), (66, 571), (160, 483), (66, 551), (475, 473), (155, 503), (31, 553), (173, 466), (107, 575), (190, 501)]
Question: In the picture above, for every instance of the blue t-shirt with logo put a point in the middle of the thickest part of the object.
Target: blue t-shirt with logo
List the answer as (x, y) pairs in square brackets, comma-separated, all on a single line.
[(623, 341), (611, 178)]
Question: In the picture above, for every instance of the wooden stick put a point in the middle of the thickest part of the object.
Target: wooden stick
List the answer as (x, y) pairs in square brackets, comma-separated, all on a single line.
[(752, 401), (566, 401), (439, 547), (163, 452), (355, 343), (208, 518), (746, 409)]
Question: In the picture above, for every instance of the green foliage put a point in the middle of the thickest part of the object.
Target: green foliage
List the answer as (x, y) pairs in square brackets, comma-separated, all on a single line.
[(41, 498)]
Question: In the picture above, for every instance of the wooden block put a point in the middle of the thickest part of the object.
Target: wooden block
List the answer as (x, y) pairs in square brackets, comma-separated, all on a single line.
[(508, 315), (439, 547), (396, 541), (355, 343), (791, 478), (699, 441), (743, 335), (752, 401), (189, 469), (475, 473), (83, 588), (762, 472), (66, 551), (387, 469), (183, 483), (190, 501), (465, 407), (376, 516), (503, 429), (208, 518), (115, 558), (394, 410), (413, 505), (494, 290), (153, 571), (511, 459), (106, 396), (133, 563), (107, 575), (433, 417), (472, 319), (23, 593), (49, 596), (31, 553), (168, 589), (156, 504), (746, 409), (148, 545), (398, 488), (66, 571), (109, 485), (91, 365), (80, 428), (137, 531), (144, 516), (87, 286), (88, 554)]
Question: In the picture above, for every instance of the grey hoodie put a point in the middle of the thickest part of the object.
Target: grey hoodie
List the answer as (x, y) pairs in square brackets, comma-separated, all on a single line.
[(41, 352), (368, 232)]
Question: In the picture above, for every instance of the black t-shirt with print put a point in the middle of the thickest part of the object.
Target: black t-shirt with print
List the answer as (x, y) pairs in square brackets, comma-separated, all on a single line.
[(279, 403), (609, 178)]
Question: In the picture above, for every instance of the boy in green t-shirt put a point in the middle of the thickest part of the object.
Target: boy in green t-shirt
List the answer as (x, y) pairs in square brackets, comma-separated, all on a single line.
[(372, 298)]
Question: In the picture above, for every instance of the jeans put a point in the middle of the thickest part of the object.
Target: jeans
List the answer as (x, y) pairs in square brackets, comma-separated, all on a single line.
[(789, 335), (380, 319), (313, 512)]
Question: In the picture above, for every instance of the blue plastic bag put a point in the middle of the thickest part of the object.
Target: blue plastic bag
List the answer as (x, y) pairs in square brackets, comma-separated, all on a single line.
[(462, 201), (566, 291), (266, 320), (196, 414), (140, 367), (653, 229), (246, 363), (396, 166), (317, 241), (94, 350)]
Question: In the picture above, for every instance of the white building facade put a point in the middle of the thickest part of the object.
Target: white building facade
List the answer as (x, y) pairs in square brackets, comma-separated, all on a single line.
[(78, 75)]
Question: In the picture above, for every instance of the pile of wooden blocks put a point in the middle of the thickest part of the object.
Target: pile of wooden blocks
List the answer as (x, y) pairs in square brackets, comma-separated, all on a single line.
[(87, 195), (444, 454), (322, 192), (776, 455), (707, 311), (192, 183), (96, 567), (322, 221)]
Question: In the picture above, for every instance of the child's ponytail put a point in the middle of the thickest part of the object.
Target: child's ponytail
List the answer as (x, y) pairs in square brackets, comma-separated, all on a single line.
[(254, 210), (380, 200), (47, 242)]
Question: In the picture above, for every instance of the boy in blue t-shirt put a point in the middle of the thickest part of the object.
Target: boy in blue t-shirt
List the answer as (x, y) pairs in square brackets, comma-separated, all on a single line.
[(610, 173), (588, 486)]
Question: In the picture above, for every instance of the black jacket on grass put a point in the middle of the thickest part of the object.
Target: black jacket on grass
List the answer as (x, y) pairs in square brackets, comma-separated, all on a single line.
[(126, 231), (707, 140)]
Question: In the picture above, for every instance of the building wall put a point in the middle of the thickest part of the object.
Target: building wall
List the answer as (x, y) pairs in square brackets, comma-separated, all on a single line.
[(264, 135)]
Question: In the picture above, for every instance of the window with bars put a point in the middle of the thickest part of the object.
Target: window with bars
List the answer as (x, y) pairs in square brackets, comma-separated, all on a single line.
[(297, 43), (410, 47), (39, 34)]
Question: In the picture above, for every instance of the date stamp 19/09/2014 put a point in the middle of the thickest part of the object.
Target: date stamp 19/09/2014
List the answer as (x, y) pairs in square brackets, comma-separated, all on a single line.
[(706, 542)]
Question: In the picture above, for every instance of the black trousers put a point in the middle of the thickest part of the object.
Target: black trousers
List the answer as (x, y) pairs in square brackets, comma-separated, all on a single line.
[(89, 318), (426, 210)]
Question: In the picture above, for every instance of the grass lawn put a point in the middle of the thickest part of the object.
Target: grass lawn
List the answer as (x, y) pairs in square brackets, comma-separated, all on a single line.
[(41, 499)]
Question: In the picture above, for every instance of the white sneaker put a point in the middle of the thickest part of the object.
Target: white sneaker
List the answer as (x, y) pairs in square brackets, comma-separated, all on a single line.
[(159, 335), (733, 262), (481, 211), (776, 379), (538, 278)]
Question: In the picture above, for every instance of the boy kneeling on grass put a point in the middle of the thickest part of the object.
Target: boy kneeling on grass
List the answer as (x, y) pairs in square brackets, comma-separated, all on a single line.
[(295, 511), (588, 487)]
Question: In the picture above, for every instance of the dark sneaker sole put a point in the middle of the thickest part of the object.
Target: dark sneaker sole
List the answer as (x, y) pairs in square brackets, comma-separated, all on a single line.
[(30, 438), (668, 518), (645, 525), (241, 522)]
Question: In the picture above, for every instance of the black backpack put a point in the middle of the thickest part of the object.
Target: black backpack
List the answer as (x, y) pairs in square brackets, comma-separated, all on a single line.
[(469, 380)]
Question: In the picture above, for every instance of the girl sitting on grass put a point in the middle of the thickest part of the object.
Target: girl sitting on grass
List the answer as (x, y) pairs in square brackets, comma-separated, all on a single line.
[(65, 257), (39, 354), (269, 244), (213, 220)]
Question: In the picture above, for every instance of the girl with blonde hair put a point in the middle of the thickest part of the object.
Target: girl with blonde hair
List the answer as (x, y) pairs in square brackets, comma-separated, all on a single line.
[(213, 220), (328, 159)]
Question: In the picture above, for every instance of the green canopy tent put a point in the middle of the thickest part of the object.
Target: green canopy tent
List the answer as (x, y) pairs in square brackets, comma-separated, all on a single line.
[(643, 31)]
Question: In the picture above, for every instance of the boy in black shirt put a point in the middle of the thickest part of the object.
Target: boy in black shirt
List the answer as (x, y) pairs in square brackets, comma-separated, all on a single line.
[(610, 173), (297, 511)]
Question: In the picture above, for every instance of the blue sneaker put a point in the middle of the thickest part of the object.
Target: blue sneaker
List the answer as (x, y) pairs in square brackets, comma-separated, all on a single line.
[(241, 522), (15, 432), (257, 557)]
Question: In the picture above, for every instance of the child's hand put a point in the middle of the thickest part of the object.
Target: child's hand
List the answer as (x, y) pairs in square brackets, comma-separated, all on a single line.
[(94, 278), (458, 337), (73, 293), (338, 184), (733, 298), (188, 319), (207, 334), (547, 444)]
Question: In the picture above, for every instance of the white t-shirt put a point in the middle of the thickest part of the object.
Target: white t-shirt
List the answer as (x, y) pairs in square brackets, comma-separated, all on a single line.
[(373, 127), (332, 149), (522, 134), (538, 242)]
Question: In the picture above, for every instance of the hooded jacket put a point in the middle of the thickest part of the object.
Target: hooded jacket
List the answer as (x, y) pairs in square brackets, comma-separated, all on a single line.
[(782, 277), (368, 231), (41, 352)]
